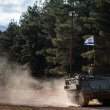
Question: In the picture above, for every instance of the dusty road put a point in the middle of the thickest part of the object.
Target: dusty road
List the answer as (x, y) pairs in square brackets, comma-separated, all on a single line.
[(19, 107), (40, 100), (19, 88)]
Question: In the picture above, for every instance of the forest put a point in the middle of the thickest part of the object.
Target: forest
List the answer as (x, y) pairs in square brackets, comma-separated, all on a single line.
[(50, 39)]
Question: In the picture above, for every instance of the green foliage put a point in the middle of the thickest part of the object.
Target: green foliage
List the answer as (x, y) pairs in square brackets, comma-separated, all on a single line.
[(8, 37), (98, 25), (44, 36), (88, 54)]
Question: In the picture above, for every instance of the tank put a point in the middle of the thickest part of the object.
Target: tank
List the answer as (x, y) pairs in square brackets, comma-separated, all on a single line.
[(83, 88)]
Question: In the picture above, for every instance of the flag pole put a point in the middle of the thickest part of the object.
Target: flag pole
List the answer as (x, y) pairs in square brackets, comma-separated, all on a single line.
[(94, 53), (90, 41)]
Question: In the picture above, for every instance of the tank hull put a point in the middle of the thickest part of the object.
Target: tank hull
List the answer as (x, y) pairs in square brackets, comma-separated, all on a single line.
[(92, 87)]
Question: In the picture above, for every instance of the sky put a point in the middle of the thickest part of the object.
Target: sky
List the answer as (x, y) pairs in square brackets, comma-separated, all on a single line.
[(12, 9)]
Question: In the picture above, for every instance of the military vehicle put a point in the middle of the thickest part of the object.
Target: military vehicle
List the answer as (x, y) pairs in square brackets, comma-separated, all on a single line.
[(83, 88)]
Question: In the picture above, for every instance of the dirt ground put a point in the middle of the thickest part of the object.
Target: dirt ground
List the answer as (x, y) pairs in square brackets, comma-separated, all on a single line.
[(18, 107), (15, 107), (41, 99), (21, 107)]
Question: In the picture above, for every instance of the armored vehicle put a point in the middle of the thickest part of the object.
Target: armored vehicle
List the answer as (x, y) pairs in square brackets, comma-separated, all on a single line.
[(83, 88)]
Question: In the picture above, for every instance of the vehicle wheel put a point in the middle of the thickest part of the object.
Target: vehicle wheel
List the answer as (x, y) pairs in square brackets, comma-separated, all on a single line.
[(82, 100)]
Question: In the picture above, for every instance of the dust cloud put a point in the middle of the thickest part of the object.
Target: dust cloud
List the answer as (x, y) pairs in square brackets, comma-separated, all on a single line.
[(17, 86)]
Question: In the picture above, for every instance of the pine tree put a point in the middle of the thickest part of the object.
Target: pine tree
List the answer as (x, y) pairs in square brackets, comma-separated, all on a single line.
[(33, 50), (65, 30), (7, 39), (97, 24), (101, 22)]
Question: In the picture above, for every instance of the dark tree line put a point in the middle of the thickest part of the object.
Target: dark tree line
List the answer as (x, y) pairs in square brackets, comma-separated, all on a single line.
[(44, 36)]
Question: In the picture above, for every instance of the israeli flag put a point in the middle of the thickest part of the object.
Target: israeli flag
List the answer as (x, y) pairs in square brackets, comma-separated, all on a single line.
[(89, 41)]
